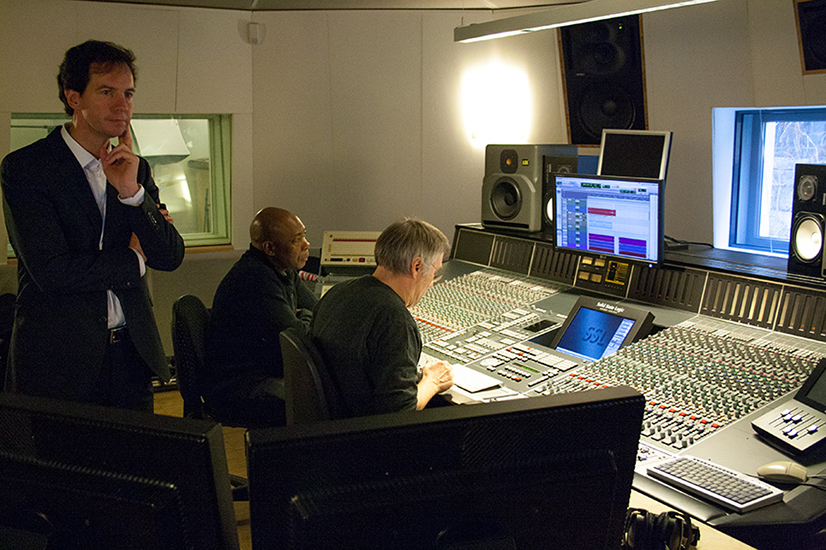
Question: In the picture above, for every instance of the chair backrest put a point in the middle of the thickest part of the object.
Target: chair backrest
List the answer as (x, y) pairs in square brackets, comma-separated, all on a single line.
[(6, 323), (190, 319), (308, 391)]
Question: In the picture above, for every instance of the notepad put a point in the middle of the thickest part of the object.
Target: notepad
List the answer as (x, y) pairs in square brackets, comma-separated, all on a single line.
[(471, 380)]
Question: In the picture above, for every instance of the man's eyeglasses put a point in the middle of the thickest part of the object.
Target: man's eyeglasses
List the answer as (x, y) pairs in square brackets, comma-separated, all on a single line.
[(438, 276)]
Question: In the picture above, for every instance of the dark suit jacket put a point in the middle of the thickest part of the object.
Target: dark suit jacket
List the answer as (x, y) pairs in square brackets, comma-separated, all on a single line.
[(60, 325)]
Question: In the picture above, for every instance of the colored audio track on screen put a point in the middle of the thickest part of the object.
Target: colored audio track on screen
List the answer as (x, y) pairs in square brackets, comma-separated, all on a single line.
[(609, 215)]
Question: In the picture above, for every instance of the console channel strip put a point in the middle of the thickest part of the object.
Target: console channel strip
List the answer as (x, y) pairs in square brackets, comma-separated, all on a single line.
[(697, 380), (472, 299)]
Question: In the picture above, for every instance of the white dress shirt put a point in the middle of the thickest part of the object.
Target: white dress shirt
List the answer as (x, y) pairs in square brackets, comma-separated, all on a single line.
[(93, 170)]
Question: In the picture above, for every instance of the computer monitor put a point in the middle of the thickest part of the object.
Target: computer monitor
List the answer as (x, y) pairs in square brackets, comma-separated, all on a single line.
[(596, 328), (82, 476), (619, 217), (634, 153), (546, 472)]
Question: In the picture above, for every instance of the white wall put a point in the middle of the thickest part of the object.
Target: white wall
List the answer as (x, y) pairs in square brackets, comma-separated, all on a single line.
[(358, 118)]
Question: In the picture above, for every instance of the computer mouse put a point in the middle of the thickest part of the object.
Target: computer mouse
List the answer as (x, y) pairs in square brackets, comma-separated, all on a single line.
[(784, 471)]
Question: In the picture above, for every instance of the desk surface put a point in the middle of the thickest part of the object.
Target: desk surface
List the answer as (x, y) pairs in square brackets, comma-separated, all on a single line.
[(170, 403)]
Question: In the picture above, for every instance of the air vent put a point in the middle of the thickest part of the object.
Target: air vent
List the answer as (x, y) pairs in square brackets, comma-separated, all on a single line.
[(553, 264), (742, 300), (803, 313), (676, 288), (512, 254)]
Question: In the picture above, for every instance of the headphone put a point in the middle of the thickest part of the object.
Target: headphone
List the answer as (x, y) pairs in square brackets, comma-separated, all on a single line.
[(666, 531)]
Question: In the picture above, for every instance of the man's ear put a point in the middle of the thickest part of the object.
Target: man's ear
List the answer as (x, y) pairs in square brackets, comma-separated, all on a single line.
[(72, 97), (416, 267), (268, 247)]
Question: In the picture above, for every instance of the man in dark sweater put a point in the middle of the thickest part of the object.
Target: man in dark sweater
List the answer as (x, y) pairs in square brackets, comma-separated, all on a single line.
[(260, 296), (366, 335)]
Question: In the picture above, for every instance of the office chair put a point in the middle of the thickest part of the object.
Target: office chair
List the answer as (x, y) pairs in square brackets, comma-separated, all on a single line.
[(309, 393), (6, 323), (190, 319)]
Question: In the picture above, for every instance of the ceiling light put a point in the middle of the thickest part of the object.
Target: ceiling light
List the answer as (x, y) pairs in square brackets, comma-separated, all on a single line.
[(584, 12)]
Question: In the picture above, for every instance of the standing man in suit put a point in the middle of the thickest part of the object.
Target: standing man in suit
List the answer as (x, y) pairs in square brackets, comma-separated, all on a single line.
[(84, 221)]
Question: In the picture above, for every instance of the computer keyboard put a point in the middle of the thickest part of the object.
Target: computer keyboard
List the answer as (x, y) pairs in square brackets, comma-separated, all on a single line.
[(725, 487), (471, 380)]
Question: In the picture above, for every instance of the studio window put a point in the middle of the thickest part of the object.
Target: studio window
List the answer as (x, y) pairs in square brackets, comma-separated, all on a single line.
[(190, 160)]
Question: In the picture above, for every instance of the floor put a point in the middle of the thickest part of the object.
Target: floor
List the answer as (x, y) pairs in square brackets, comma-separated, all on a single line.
[(169, 403)]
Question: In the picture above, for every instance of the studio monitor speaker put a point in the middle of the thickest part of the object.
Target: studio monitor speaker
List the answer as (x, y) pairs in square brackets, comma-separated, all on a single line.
[(811, 33), (561, 160), (515, 179), (808, 221), (604, 77)]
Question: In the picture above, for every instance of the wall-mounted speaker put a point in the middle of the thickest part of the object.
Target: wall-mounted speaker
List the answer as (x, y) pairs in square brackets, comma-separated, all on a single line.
[(515, 178), (604, 77), (811, 33), (808, 221)]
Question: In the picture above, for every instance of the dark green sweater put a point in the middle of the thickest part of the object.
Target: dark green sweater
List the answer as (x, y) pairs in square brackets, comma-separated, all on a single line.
[(370, 344)]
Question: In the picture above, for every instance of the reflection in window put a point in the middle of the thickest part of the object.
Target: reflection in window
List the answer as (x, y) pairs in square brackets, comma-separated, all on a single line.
[(768, 143), (786, 143), (189, 156)]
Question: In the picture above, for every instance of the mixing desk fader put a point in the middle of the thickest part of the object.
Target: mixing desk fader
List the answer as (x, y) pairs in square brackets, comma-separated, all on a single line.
[(487, 300), (697, 378)]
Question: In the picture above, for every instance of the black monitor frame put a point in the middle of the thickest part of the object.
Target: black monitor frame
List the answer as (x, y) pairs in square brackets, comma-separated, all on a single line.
[(643, 320), (634, 153), (659, 245), (75, 475), (813, 390), (546, 472)]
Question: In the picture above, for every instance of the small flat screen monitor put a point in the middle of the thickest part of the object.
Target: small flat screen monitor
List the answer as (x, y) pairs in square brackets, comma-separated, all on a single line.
[(82, 476), (597, 328), (813, 391), (634, 153), (620, 217), (546, 472)]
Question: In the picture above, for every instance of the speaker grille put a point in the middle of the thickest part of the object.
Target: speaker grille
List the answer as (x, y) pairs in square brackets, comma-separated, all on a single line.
[(811, 20), (512, 254), (802, 313), (742, 300), (676, 288), (552, 264), (602, 67)]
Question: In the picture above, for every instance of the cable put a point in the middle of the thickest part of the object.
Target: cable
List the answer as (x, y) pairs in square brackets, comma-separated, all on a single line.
[(678, 241)]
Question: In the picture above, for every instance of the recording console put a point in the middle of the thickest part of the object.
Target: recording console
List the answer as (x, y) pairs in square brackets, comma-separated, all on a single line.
[(723, 351)]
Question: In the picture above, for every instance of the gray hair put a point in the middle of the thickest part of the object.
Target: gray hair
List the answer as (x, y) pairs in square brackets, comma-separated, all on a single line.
[(407, 239)]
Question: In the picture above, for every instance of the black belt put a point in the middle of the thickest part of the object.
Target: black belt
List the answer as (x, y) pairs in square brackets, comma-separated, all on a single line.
[(117, 334)]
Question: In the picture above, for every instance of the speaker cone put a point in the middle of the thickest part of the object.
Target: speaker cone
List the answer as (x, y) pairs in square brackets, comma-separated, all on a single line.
[(505, 199), (807, 238), (806, 187), (603, 107)]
